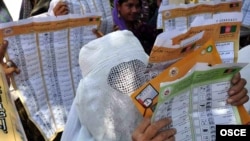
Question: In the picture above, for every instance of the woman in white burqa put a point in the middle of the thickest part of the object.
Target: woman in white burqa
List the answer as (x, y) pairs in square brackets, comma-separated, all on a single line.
[(112, 68)]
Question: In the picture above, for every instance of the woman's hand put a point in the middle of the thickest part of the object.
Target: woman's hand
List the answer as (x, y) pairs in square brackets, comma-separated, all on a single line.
[(97, 33), (147, 131), (61, 8), (116, 27), (237, 93), (9, 67)]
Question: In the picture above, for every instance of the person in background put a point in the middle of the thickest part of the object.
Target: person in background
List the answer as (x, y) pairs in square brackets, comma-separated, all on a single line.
[(31, 8), (126, 15)]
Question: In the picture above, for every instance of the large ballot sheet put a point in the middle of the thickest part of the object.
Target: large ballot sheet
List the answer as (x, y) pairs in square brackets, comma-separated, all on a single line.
[(46, 51)]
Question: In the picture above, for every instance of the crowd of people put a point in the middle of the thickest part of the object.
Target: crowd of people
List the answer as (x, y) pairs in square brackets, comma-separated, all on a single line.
[(101, 109)]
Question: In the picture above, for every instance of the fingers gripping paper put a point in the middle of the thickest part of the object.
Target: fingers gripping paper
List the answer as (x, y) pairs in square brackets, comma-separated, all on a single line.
[(113, 68)]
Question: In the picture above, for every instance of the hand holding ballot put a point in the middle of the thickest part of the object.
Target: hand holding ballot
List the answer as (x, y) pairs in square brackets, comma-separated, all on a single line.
[(237, 93), (153, 131), (9, 67)]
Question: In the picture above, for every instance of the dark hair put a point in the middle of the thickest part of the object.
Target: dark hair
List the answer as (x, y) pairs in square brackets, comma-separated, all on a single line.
[(122, 1)]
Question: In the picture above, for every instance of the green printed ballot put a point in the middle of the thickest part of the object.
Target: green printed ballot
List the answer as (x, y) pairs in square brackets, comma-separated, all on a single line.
[(197, 102)]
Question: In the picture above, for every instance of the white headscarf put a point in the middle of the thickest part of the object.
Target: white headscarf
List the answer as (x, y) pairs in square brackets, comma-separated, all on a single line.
[(113, 68)]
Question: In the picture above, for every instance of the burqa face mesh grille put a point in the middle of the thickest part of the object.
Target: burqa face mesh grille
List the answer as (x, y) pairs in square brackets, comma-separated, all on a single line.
[(127, 76)]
